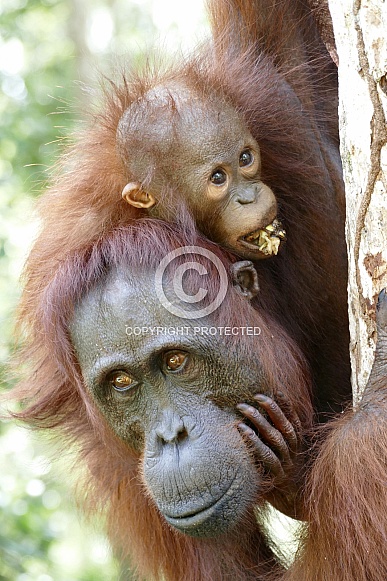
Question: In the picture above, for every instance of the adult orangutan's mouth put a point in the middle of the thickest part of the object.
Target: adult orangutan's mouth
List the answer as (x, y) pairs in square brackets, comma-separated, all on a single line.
[(193, 518), (267, 240), (197, 516)]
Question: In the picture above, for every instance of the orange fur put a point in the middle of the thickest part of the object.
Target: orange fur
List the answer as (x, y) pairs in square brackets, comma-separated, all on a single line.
[(297, 134), (260, 50), (346, 497), (55, 398)]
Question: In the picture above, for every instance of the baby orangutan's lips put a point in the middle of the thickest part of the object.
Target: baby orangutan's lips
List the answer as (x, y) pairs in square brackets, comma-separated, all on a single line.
[(267, 239)]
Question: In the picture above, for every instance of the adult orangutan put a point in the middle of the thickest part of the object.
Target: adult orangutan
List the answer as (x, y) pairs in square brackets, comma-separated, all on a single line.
[(241, 141), (151, 400), (156, 405)]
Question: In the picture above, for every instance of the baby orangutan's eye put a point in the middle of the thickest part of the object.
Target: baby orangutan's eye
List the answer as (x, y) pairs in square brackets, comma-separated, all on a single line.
[(246, 158), (218, 177), (174, 360), (121, 380)]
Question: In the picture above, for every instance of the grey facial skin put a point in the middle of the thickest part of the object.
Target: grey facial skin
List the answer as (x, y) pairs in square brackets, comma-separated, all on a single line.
[(173, 398)]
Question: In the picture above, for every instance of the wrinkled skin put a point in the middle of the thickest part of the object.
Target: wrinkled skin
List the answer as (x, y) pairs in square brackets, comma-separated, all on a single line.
[(204, 152), (158, 394)]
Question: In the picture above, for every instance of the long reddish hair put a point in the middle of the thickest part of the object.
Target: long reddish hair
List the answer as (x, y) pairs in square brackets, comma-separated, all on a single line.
[(54, 397)]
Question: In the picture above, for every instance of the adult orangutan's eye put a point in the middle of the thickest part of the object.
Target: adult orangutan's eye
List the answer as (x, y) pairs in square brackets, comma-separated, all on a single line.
[(218, 177), (246, 158), (175, 360), (121, 380)]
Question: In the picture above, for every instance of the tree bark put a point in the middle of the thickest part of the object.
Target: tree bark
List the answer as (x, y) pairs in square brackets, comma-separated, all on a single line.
[(360, 28)]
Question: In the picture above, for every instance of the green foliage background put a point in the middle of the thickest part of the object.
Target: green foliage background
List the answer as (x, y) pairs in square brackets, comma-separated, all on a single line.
[(44, 46)]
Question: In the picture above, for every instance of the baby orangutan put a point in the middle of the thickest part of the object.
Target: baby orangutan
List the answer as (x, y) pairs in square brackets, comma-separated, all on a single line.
[(202, 150)]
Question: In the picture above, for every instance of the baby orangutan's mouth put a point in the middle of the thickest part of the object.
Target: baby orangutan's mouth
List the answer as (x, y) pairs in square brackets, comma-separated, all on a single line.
[(268, 239)]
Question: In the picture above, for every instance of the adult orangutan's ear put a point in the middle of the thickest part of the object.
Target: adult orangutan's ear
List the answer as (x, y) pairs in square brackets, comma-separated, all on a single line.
[(245, 278), (137, 197)]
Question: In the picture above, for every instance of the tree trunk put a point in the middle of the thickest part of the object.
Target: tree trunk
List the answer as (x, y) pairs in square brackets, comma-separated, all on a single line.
[(360, 28)]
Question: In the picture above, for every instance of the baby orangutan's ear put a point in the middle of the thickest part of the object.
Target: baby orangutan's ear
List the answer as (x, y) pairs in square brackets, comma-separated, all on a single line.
[(137, 197), (245, 278)]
